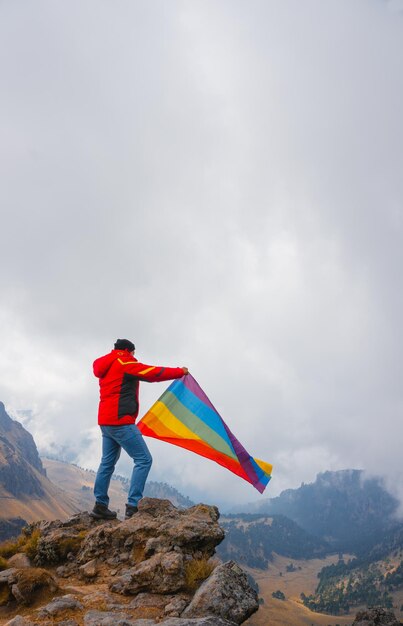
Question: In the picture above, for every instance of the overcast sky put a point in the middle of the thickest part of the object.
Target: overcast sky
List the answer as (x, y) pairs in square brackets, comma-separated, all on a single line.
[(219, 181)]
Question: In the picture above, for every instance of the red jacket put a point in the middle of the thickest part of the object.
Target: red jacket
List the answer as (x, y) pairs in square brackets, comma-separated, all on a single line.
[(119, 374)]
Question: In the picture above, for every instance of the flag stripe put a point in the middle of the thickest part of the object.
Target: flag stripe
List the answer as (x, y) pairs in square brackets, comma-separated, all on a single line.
[(169, 426), (199, 447), (185, 417), (203, 411), (183, 423)]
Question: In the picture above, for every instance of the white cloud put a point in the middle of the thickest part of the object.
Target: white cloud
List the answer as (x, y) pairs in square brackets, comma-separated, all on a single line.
[(220, 182)]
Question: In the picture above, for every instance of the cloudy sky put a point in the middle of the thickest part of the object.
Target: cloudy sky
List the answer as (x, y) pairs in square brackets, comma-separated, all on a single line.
[(221, 182)]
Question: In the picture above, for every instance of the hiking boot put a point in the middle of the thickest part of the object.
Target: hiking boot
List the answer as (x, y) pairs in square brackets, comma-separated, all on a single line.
[(130, 511), (101, 511)]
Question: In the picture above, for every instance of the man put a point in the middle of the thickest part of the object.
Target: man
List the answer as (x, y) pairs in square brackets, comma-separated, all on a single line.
[(119, 375)]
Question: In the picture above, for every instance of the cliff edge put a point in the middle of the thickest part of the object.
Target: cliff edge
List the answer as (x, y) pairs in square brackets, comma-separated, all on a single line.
[(153, 568)]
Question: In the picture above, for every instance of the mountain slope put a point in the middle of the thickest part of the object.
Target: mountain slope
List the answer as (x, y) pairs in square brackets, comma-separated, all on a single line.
[(26, 494), (342, 507), (79, 483), (252, 539)]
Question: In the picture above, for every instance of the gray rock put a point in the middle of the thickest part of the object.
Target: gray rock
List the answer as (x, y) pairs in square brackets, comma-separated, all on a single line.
[(19, 560), (376, 617), (226, 594), (156, 600), (62, 571), (18, 620), (157, 528), (105, 618), (90, 569), (162, 573), (198, 621), (7, 574), (176, 606), (101, 598), (61, 540), (58, 605)]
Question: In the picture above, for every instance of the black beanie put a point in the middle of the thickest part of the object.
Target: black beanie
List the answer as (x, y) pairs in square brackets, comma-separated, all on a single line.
[(124, 344)]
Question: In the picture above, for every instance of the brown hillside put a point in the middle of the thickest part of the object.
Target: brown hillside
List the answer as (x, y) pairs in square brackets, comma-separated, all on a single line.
[(291, 611), (54, 503), (79, 483), (25, 490)]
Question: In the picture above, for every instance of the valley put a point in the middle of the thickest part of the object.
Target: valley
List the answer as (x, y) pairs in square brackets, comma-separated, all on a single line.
[(291, 611)]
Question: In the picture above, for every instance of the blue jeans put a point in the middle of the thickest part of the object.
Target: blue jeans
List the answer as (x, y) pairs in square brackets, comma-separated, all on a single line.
[(114, 438)]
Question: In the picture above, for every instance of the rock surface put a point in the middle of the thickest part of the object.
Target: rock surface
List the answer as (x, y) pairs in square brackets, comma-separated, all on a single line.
[(24, 585), (19, 621), (226, 593), (19, 560), (200, 621), (60, 605), (99, 618), (158, 557)]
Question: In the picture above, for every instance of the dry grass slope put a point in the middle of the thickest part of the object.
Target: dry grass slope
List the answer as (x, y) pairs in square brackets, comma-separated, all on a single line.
[(291, 611), (79, 483)]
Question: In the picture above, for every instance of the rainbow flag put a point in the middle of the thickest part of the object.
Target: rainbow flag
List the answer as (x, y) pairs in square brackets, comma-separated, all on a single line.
[(185, 417)]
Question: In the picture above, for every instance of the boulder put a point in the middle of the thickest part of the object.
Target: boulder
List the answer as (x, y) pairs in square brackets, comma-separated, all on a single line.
[(226, 593), (101, 598), (157, 527), (61, 540), (25, 585), (105, 618), (6, 574), (89, 570), (170, 605), (60, 605), (176, 606), (199, 621), (18, 620), (19, 560), (162, 573), (153, 600)]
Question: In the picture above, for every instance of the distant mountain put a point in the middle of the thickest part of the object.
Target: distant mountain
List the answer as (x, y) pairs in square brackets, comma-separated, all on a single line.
[(79, 482), (343, 512), (252, 539), (18, 458), (344, 508), (164, 491), (26, 494)]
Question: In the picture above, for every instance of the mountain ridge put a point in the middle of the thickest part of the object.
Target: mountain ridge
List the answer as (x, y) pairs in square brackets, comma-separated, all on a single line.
[(26, 493), (344, 508)]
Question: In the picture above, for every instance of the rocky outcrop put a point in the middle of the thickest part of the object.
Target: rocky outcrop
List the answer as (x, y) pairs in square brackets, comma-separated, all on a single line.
[(376, 617), (226, 593), (156, 566)]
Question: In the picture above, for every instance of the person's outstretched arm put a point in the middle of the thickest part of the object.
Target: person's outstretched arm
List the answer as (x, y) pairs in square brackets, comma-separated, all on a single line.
[(151, 373)]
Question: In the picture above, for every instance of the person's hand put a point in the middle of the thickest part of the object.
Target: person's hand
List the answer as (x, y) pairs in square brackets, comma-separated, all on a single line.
[(185, 371)]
